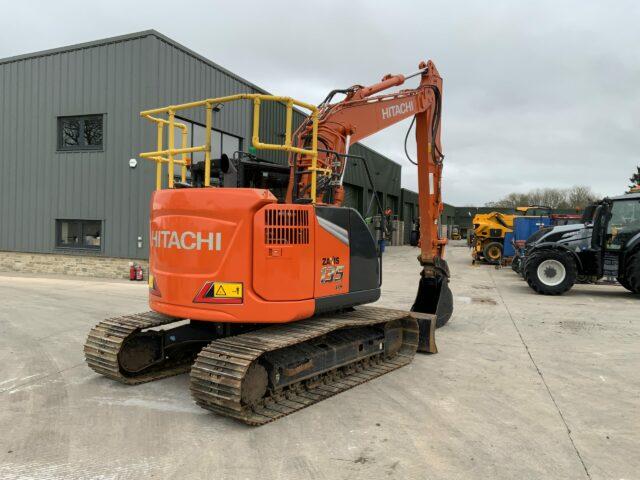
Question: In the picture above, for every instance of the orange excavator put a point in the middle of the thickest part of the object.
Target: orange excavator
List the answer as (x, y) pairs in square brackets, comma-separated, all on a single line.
[(263, 301)]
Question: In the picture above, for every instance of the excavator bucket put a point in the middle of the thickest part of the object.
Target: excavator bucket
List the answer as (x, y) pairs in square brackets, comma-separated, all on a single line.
[(434, 298)]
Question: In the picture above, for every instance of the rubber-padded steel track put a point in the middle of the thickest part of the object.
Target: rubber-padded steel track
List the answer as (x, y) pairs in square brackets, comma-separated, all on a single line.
[(108, 337), (219, 370)]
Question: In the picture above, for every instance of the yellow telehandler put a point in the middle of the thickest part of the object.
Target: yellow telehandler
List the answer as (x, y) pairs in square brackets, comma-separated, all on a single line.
[(489, 230)]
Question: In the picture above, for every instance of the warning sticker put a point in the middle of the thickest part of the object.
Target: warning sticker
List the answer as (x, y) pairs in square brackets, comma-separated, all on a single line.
[(227, 290)]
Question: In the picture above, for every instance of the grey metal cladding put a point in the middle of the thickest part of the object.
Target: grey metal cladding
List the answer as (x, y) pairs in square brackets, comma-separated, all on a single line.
[(41, 184), (117, 77)]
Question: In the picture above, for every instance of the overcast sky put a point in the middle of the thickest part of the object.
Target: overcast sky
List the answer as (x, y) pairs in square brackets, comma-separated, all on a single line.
[(536, 94)]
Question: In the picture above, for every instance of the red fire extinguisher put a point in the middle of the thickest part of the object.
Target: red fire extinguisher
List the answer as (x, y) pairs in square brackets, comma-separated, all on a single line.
[(139, 275), (132, 271)]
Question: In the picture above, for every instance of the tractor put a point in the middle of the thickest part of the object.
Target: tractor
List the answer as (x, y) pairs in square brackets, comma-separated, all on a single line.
[(553, 266)]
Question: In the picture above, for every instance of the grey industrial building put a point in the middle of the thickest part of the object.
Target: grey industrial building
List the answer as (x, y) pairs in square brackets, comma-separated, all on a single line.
[(70, 125)]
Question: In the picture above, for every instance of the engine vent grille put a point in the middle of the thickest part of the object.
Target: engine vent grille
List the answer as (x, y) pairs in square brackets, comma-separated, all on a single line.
[(286, 226)]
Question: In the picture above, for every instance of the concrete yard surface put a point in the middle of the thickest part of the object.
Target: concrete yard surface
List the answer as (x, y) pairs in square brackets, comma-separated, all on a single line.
[(524, 386)]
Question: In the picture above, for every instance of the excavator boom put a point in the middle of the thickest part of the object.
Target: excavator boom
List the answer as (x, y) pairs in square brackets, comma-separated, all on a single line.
[(364, 112)]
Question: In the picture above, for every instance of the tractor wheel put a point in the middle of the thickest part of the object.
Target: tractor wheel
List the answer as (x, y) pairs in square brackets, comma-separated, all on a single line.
[(492, 252), (551, 272), (632, 274), (523, 267), (624, 283), (515, 265)]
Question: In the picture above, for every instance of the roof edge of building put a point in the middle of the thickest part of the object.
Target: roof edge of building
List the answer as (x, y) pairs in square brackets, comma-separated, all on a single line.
[(379, 154), (204, 59), (164, 38), (79, 46), (124, 38)]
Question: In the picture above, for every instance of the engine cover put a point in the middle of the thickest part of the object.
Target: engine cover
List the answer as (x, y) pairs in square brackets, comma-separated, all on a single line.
[(236, 255)]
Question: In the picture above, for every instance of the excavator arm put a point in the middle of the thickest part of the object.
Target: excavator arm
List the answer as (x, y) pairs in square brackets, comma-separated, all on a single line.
[(364, 112)]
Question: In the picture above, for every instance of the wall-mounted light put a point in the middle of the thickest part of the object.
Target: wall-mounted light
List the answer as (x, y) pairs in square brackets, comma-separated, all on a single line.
[(133, 163)]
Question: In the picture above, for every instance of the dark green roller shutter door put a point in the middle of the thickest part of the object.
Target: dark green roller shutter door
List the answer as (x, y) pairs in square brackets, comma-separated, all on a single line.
[(353, 197), (392, 203), (408, 216)]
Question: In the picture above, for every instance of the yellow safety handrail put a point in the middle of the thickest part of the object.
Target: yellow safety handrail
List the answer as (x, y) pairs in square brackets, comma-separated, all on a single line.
[(160, 159), (162, 155)]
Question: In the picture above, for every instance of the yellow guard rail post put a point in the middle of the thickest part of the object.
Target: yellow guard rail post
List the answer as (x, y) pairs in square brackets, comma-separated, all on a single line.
[(161, 155), (159, 159)]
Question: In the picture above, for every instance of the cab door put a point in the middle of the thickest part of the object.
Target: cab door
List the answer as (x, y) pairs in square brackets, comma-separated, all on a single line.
[(593, 258), (622, 233)]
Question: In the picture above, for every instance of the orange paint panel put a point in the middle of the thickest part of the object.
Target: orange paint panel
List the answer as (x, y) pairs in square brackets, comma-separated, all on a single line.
[(201, 235), (283, 239)]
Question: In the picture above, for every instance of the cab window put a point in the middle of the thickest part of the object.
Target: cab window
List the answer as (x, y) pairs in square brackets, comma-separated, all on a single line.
[(624, 223)]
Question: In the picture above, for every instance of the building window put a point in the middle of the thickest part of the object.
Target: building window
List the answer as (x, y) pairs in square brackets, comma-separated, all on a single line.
[(80, 133), (79, 234)]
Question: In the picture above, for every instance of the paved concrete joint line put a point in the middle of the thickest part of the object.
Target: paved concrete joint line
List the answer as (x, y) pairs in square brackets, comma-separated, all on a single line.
[(546, 385)]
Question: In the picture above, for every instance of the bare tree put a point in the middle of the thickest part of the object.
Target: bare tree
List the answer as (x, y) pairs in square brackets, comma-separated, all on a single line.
[(93, 132), (512, 200), (579, 196), (552, 197), (576, 197), (70, 132)]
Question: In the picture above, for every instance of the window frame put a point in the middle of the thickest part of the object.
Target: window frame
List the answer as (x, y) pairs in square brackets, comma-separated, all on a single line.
[(222, 132), (190, 124), (609, 237), (82, 247), (81, 147)]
